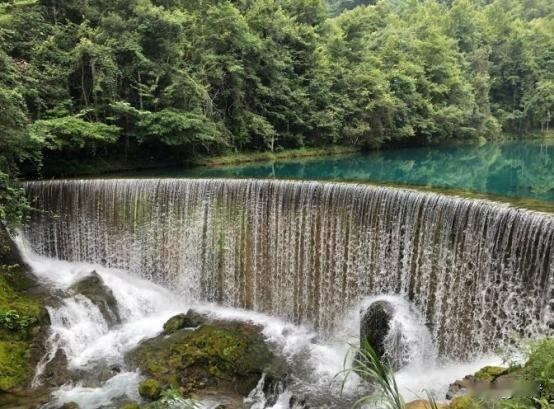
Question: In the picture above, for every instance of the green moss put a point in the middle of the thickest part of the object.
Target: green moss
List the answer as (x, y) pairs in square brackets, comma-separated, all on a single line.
[(463, 402), (150, 389), (20, 316), (489, 373), (194, 359), (14, 363), (132, 405)]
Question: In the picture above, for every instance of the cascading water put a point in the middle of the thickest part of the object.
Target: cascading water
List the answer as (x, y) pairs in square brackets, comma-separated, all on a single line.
[(480, 272), (91, 344)]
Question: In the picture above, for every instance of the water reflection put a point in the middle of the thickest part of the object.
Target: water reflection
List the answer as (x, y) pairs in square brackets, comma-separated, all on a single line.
[(523, 169)]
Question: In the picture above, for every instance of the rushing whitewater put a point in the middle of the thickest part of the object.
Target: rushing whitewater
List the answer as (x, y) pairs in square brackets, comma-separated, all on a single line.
[(479, 272)]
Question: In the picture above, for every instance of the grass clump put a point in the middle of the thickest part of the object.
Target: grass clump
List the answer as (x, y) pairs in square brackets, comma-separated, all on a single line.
[(369, 366)]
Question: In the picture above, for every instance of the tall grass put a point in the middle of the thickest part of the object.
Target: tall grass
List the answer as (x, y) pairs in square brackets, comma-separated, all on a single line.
[(368, 365)]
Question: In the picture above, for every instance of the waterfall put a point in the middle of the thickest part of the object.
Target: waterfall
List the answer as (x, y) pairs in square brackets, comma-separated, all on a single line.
[(479, 272)]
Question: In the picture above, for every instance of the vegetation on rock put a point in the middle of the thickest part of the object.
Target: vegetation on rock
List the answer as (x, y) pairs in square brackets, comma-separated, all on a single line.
[(489, 373), (150, 389), (189, 320), (21, 316), (223, 354)]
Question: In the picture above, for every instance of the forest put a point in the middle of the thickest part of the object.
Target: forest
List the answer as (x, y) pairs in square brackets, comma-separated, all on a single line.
[(149, 81)]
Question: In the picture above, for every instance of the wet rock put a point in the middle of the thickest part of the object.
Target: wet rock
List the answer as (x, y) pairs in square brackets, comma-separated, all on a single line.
[(129, 405), (150, 389), (375, 325), (226, 355), (70, 405), (95, 375), (486, 379), (56, 373), (93, 287), (189, 320)]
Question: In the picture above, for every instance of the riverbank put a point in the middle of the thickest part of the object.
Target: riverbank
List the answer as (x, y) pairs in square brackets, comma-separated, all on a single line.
[(57, 167), (251, 157)]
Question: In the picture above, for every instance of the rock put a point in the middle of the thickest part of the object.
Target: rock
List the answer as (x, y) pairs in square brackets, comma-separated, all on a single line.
[(150, 389), (505, 382), (484, 379), (459, 387), (489, 373), (423, 404), (189, 320), (70, 405), (56, 373), (375, 325), (93, 287), (129, 405), (96, 374), (463, 402), (229, 355)]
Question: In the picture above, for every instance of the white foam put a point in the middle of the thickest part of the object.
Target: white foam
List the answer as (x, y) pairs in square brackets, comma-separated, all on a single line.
[(80, 329), (123, 385)]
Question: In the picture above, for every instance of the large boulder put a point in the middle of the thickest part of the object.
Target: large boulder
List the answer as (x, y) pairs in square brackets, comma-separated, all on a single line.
[(93, 287), (225, 355), (375, 325)]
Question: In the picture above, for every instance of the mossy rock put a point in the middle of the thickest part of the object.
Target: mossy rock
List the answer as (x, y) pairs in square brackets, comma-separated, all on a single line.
[(70, 405), (14, 363), (463, 402), (150, 389), (216, 354), (489, 373), (189, 320), (21, 339), (130, 405)]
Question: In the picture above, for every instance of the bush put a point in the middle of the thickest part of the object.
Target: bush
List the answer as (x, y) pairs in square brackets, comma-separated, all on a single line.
[(539, 369), (14, 321)]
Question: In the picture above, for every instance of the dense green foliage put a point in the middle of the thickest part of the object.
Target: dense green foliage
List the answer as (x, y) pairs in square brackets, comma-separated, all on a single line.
[(167, 80)]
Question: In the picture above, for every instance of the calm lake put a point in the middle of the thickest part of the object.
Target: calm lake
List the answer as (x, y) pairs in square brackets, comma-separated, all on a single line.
[(517, 169)]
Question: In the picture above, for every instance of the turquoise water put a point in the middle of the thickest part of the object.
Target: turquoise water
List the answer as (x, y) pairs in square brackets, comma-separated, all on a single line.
[(519, 169)]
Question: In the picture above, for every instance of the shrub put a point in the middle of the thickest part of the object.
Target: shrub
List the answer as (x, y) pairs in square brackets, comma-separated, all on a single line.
[(14, 321)]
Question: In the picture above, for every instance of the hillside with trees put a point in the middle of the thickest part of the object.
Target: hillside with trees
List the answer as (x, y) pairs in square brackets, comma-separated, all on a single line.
[(167, 80)]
